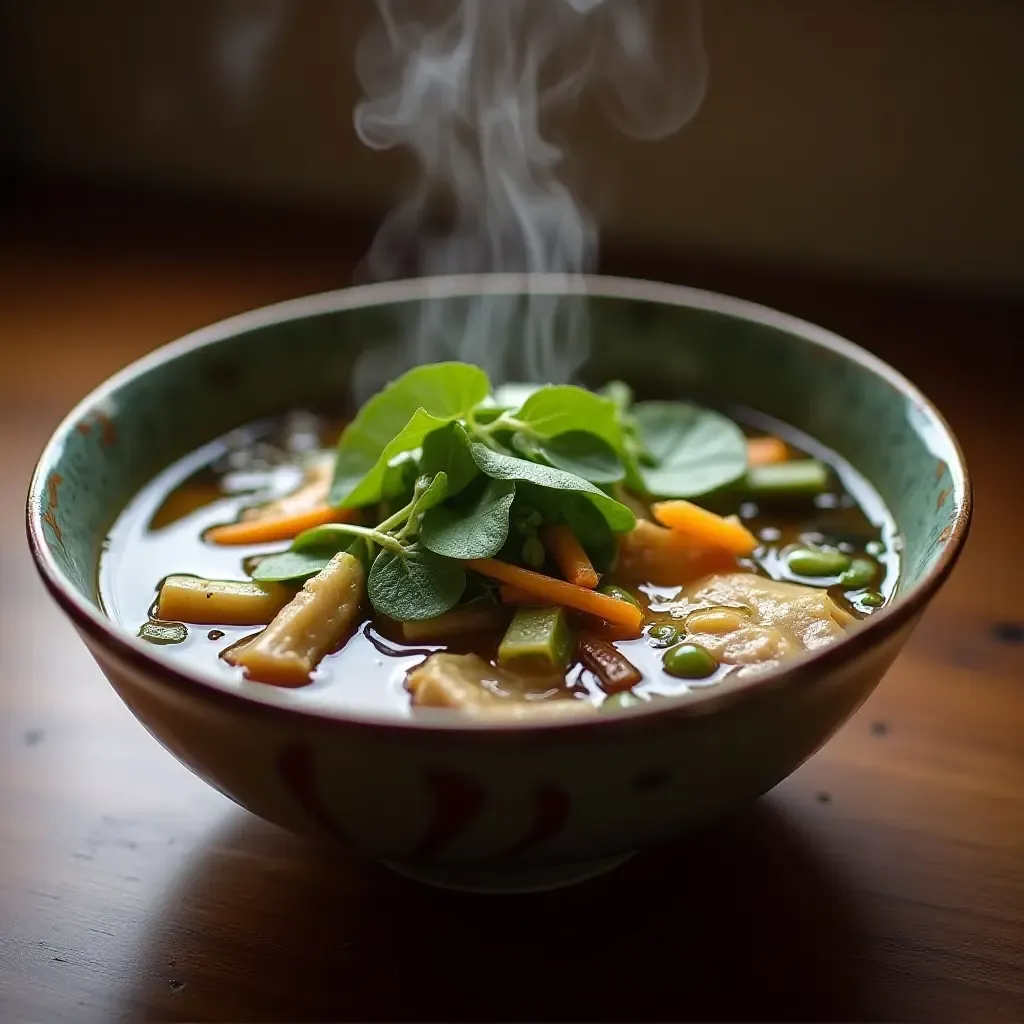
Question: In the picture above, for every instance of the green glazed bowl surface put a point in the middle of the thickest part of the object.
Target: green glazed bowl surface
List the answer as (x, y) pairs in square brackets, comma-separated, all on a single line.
[(464, 804)]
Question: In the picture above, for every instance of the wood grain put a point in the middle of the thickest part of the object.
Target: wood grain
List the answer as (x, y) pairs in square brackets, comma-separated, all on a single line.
[(884, 880)]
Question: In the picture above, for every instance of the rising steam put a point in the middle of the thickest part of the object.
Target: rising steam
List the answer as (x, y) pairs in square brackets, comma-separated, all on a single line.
[(465, 85)]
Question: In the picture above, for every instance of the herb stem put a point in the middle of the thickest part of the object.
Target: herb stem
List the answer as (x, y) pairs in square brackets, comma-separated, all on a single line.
[(397, 518), (375, 536), (485, 432)]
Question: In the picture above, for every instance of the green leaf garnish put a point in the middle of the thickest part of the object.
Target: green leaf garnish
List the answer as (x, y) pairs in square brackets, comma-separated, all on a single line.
[(399, 480), (508, 467), (354, 485), (397, 420), (446, 450), (585, 454), (558, 409), (294, 565), (695, 450), (434, 491), (476, 532), (415, 585)]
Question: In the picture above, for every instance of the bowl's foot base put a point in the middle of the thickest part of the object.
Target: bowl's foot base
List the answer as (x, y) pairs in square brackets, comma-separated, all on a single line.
[(509, 880)]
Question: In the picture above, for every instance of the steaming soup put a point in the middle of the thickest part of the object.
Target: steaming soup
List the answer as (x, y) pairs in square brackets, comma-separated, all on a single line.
[(507, 554)]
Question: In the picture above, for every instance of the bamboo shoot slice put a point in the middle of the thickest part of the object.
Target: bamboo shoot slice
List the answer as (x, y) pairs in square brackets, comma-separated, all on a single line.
[(203, 602), (308, 627)]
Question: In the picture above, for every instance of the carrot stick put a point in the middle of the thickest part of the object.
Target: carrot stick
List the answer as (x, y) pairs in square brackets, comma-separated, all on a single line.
[(703, 528), (570, 557), (763, 451), (514, 595), (260, 531), (547, 589)]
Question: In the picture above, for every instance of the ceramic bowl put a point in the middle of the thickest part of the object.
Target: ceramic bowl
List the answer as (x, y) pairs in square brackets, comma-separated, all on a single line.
[(493, 807)]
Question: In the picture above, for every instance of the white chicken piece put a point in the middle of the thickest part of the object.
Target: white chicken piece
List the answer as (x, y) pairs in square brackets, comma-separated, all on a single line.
[(753, 622), (469, 684)]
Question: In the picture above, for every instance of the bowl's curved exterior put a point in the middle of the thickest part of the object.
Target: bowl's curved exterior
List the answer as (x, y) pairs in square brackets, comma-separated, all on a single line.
[(521, 799), (441, 791)]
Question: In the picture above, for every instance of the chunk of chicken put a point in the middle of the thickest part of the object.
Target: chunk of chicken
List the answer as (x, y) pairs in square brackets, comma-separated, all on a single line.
[(754, 622), (469, 684)]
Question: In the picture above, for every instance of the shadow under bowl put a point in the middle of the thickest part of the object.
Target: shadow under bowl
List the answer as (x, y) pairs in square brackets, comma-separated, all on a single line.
[(465, 804)]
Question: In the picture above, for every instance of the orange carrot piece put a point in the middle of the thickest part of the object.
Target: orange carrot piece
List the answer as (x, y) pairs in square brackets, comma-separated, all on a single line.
[(559, 592), (655, 554), (260, 531), (763, 451), (570, 557), (514, 595), (703, 528)]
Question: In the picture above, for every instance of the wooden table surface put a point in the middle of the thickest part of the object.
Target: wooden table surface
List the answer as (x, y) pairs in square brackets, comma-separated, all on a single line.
[(883, 881)]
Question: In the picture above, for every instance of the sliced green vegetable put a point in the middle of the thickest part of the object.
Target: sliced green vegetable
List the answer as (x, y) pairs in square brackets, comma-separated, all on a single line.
[(617, 701), (538, 640), (872, 599), (817, 563), (663, 635), (799, 478), (533, 552), (695, 451), (860, 574), (689, 661), (163, 633), (619, 594)]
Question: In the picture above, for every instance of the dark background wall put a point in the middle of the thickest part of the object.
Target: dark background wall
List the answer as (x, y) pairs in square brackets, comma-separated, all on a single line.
[(884, 138)]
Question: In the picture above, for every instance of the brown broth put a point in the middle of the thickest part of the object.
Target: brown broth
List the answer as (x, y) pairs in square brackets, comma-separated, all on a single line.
[(160, 533)]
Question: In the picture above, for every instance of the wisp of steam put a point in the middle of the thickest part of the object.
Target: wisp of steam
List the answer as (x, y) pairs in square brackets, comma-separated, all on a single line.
[(467, 85)]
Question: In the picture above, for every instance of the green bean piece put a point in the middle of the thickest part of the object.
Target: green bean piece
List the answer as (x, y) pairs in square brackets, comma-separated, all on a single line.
[(689, 661), (619, 594), (861, 574), (663, 635), (533, 552), (537, 640), (162, 633), (817, 562), (799, 478), (873, 599), (625, 699)]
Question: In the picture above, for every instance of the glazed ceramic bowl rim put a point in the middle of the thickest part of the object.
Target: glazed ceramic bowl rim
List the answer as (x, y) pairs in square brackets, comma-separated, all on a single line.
[(803, 670)]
